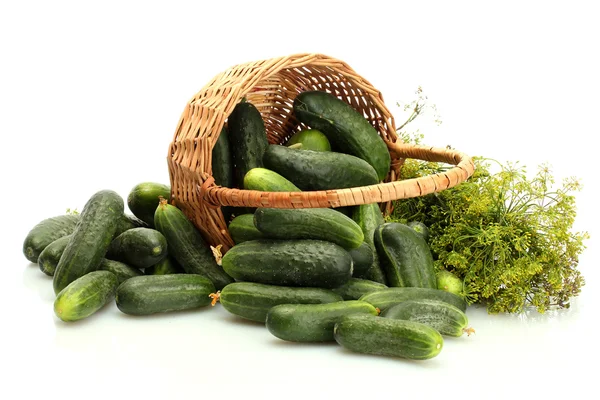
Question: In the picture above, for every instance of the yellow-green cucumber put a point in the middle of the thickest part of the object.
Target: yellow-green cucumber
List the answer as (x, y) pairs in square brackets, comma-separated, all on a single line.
[(85, 295), (265, 180), (310, 139), (242, 229)]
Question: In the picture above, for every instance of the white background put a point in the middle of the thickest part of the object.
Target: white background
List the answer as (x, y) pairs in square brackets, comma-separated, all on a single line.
[(90, 93)]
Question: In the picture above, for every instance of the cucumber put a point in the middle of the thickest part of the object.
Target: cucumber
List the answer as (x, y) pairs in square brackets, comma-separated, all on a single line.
[(312, 322), (121, 270), (369, 217), (187, 246), (129, 221), (311, 139), (347, 130), (420, 228), (150, 294), (308, 263), (319, 170), (46, 232), (355, 288), (247, 138), (143, 200), (253, 301), (309, 223), (388, 337), (443, 317), (384, 299), (404, 256), (138, 247), (85, 295), (449, 282), (166, 266), (87, 246), (242, 229), (266, 180), (362, 257), (50, 256), (222, 163)]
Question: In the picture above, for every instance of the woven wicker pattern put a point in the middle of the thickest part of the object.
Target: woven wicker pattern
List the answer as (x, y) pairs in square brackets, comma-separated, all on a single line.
[(271, 85)]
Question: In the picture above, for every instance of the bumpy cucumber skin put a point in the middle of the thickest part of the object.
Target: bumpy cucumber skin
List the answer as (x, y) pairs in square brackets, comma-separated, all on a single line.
[(222, 163), (355, 288), (187, 246), (265, 180), (362, 257), (420, 228), (307, 263), (166, 266), (93, 233), (443, 317), (242, 229), (312, 322), (253, 301), (138, 247), (384, 299), (346, 129), (248, 140), (388, 337), (46, 232), (50, 256), (151, 294), (85, 295), (309, 223), (129, 221), (311, 139), (404, 256), (121, 270), (319, 170), (369, 217), (143, 200)]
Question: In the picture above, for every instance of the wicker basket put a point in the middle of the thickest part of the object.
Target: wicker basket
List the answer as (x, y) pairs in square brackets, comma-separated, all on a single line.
[(271, 85)]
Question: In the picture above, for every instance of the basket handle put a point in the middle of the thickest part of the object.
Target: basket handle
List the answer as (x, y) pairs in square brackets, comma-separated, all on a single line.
[(383, 192)]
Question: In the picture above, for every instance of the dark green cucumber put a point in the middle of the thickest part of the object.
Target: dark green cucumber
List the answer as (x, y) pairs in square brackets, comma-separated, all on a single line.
[(46, 232), (150, 294), (420, 228), (355, 288), (85, 295), (388, 337), (138, 247), (309, 223), (242, 229), (312, 322), (248, 140), (265, 180), (347, 130), (187, 246), (441, 316), (93, 233), (384, 299), (222, 163), (50, 256), (143, 200), (254, 300), (319, 170), (362, 257), (310, 139), (369, 217), (129, 221), (404, 256), (166, 266), (121, 270), (308, 263)]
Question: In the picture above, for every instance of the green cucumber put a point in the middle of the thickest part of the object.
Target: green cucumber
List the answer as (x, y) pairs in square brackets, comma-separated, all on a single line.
[(388, 337), (138, 247), (150, 294), (308, 263), (312, 322), (420, 228), (362, 257), (46, 232), (222, 163), (50, 256), (369, 217), (85, 295), (129, 221), (166, 266), (265, 180), (384, 299), (311, 139), (121, 270), (441, 316), (319, 170), (247, 138), (87, 246), (355, 288), (143, 200), (309, 223), (187, 246), (242, 229), (254, 300), (347, 130), (449, 282)]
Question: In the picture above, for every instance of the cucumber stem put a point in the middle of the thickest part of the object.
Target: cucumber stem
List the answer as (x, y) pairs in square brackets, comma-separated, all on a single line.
[(217, 254), (469, 331), (215, 297)]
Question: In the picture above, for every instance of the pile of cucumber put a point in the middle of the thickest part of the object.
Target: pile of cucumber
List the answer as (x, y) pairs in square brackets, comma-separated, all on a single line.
[(307, 274)]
